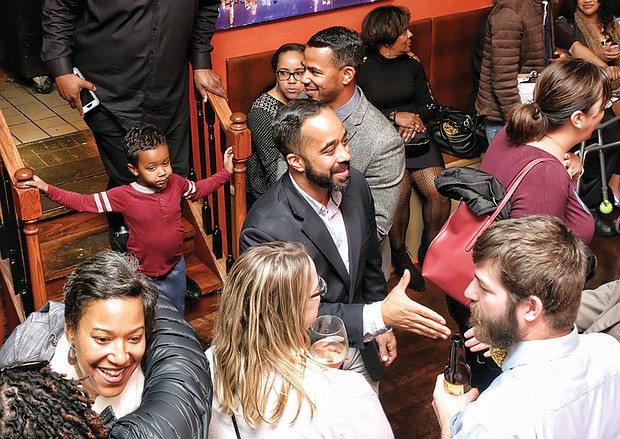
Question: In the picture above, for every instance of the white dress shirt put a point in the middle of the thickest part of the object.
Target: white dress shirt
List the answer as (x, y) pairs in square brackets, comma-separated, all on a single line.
[(566, 387)]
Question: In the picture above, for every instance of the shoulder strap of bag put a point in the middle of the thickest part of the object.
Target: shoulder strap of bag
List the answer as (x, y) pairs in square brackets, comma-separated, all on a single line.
[(511, 190), (234, 421)]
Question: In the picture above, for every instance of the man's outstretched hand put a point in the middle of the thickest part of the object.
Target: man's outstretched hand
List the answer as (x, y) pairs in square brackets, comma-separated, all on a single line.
[(400, 311)]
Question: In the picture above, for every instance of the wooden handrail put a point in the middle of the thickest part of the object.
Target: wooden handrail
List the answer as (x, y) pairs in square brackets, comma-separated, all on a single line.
[(27, 204), (238, 136)]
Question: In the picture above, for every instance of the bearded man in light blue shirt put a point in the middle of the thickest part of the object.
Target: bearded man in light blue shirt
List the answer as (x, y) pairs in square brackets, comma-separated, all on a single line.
[(529, 273)]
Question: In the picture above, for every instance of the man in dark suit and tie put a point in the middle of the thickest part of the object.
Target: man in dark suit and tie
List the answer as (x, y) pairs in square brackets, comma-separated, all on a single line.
[(328, 207)]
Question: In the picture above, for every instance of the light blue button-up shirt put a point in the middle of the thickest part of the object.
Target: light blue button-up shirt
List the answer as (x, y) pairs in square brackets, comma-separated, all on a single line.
[(566, 387)]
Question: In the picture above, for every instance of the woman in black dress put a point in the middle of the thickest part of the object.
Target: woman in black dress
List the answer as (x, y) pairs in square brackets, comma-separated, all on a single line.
[(393, 80)]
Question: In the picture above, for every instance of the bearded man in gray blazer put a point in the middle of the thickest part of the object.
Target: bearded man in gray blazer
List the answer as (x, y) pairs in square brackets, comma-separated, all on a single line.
[(332, 58), (327, 206)]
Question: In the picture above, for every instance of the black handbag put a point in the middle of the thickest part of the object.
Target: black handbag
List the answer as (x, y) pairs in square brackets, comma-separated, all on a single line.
[(456, 133), (418, 145)]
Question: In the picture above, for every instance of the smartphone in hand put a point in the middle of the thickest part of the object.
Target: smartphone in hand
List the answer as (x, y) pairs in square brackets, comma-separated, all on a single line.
[(88, 97)]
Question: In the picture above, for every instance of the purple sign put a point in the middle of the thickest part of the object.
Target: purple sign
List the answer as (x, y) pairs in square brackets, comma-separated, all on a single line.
[(236, 13)]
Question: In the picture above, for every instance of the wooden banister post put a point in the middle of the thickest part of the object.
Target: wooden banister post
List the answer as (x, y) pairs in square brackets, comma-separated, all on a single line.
[(242, 148), (28, 207)]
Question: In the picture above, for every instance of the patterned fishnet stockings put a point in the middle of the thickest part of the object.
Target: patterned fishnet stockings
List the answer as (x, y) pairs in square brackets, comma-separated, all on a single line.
[(435, 207)]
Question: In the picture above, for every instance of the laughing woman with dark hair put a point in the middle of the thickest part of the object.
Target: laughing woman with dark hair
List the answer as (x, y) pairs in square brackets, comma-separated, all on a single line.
[(126, 345)]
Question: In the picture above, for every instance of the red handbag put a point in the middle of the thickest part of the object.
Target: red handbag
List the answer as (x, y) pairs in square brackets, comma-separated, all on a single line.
[(448, 263)]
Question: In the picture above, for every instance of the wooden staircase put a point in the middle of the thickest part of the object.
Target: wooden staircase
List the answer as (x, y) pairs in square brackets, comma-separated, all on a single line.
[(48, 240)]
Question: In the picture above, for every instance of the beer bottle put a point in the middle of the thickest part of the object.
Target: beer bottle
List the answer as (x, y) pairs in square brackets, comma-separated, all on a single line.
[(457, 375)]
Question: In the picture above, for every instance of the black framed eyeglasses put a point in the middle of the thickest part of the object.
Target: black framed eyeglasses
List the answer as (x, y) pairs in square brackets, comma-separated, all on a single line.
[(321, 289), (284, 75)]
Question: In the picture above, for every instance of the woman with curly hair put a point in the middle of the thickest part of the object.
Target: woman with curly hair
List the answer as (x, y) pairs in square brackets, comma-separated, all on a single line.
[(593, 24)]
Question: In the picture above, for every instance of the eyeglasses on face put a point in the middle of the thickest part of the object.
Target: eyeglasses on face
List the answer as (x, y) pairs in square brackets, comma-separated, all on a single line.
[(284, 75), (321, 288)]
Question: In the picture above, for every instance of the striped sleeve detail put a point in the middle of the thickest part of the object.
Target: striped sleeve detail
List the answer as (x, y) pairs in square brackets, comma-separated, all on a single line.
[(102, 202), (190, 190)]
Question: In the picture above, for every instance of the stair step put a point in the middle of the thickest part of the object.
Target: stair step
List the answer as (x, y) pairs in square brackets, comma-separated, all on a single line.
[(205, 307), (72, 224), (202, 275), (70, 239), (81, 235), (84, 177)]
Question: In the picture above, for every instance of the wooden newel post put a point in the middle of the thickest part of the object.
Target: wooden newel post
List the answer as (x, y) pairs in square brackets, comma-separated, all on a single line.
[(28, 207), (242, 148)]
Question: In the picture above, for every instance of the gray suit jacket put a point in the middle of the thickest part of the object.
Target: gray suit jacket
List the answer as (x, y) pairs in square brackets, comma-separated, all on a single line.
[(378, 152), (282, 214)]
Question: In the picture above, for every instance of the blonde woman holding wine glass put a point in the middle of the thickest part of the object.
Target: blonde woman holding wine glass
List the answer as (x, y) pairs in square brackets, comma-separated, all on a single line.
[(265, 383)]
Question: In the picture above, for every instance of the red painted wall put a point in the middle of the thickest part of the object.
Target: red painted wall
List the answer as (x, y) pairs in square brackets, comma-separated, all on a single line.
[(271, 35), (267, 36)]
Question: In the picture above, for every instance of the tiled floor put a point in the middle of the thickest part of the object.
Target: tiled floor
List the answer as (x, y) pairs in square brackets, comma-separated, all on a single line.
[(32, 116)]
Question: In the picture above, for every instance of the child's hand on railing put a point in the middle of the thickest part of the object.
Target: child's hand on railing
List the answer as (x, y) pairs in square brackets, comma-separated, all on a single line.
[(36, 182), (228, 159)]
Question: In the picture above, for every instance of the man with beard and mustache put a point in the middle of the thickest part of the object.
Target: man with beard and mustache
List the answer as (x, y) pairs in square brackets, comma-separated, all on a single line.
[(332, 59), (327, 206), (529, 273)]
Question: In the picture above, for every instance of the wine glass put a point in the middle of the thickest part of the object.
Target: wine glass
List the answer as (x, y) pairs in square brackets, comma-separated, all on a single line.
[(329, 343)]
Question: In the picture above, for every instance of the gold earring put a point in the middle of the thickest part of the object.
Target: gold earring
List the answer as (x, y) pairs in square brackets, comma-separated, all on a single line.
[(72, 355)]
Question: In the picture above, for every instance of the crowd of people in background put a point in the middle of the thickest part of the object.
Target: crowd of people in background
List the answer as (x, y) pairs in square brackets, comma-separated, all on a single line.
[(335, 159)]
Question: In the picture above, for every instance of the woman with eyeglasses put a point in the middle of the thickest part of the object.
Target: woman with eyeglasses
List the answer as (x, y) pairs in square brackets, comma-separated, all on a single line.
[(126, 346), (266, 164), (265, 384)]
